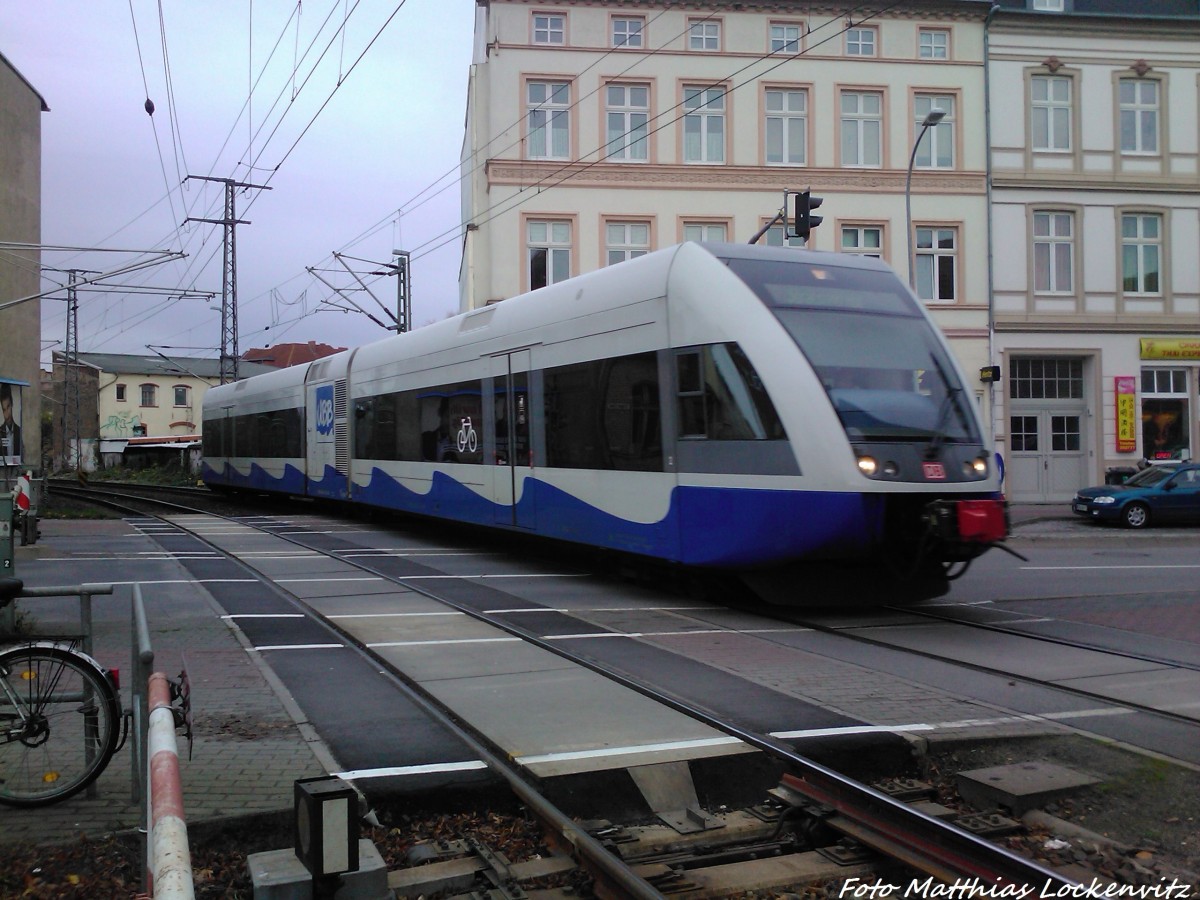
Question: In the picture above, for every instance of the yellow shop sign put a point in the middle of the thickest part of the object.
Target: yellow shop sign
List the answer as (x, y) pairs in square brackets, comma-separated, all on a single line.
[(1170, 348)]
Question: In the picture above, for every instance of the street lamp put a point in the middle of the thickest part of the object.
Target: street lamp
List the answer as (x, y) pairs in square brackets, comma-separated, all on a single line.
[(932, 117)]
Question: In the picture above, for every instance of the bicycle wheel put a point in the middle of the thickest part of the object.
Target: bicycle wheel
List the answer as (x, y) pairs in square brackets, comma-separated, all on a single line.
[(59, 723)]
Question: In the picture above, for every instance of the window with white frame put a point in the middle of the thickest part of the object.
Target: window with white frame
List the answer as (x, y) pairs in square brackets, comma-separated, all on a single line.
[(785, 38), (1047, 5), (705, 231), (627, 117), (776, 236), (1054, 252), (933, 43), (1139, 115), (863, 240), (704, 34), (786, 129), (548, 251), (1050, 103), (149, 395), (181, 395), (861, 41), (626, 240), (120, 393), (862, 128), (936, 254), (704, 124), (936, 148), (549, 105), (549, 29), (627, 31), (1166, 421), (1141, 253)]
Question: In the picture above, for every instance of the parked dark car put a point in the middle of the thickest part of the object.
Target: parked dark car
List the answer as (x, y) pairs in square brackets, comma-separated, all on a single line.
[(1158, 494)]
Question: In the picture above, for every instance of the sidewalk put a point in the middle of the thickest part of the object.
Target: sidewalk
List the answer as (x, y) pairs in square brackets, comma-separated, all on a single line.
[(248, 749)]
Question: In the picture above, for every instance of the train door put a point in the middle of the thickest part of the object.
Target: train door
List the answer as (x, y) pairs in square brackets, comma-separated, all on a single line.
[(512, 454)]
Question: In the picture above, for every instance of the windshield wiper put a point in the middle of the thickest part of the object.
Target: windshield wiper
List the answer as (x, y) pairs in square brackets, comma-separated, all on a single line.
[(933, 448)]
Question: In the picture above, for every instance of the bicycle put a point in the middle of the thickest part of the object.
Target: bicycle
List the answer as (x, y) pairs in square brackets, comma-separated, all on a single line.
[(60, 717)]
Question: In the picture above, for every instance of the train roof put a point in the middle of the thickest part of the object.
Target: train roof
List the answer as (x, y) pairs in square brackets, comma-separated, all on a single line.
[(498, 327)]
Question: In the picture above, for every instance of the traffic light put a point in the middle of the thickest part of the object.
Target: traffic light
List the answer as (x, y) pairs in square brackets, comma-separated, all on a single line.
[(804, 219)]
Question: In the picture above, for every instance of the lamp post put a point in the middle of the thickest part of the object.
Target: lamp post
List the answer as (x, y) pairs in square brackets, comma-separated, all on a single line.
[(932, 117)]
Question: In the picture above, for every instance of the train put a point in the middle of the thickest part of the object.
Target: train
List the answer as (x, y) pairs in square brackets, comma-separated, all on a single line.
[(709, 406)]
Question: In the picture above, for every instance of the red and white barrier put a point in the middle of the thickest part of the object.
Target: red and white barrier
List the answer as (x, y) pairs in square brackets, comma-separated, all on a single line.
[(170, 860)]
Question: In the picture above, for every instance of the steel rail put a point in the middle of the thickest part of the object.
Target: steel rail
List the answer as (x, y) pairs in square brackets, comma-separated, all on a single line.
[(922, 841), (617, 879)]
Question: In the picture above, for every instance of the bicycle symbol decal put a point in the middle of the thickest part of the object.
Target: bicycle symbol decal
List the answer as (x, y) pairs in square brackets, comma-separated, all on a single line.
[(468, 439)]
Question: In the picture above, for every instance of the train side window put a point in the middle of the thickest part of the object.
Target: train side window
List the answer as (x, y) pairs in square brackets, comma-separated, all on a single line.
[(689, 367), (721, 397), (604, 414)]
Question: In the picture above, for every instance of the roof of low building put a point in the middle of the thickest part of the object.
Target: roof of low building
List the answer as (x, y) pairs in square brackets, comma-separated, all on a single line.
[(283, 355)]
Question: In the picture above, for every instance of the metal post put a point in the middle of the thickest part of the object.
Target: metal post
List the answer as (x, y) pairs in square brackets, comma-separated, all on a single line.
[(932, 117)]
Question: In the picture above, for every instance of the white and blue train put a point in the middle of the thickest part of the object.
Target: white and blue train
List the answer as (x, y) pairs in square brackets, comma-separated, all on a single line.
[(712, 405)]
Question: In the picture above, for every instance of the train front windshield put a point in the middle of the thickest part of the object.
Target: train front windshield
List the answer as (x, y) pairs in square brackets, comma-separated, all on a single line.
[(880, 361)]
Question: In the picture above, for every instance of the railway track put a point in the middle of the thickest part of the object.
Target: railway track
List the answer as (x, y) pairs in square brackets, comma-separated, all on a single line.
[(812, 808)]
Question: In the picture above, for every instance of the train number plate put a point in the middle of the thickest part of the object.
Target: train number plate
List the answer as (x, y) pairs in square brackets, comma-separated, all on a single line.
[(934, 471)]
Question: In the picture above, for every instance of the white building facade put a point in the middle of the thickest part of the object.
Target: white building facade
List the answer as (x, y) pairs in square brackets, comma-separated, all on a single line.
[(1096, 230), (597, 132)]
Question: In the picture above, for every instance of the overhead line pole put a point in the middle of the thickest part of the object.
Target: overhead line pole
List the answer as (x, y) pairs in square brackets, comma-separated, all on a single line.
[(229, 326)]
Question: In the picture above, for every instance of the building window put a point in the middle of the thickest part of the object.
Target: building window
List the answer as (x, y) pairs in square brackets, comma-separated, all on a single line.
[(863, 240), (1047, 5), (776, 236), (627, 121), (1139, 115), (1065, 433), (786, 38), (549, 119), (1054, 252), (860, 41), (705, 231), (548, 29), (1141, 253), (627, 31), (626, 240), (704, 125), (704, 34), (937, 264), (933, 44), (862, 128), (1165, 414), (786, 127), (1045, 379), (149, 395), (1023, 433), (181, 395), (549, 252), (1051, 108), (936, 149), (120, 393)]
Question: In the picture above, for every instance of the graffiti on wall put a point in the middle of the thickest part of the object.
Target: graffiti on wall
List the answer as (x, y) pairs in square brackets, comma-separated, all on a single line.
[(120, 425)]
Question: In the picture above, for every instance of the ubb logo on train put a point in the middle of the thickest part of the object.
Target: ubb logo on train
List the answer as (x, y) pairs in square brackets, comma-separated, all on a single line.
[(324, 411)]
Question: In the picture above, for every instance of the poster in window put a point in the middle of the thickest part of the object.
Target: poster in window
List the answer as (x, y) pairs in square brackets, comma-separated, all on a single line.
[(10, 424)]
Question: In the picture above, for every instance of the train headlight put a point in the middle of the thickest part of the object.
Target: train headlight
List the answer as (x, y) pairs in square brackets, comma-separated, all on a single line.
[(890, 469), (867, 465), (978, 467)]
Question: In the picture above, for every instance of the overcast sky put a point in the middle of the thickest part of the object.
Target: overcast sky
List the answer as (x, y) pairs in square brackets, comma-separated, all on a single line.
[(357, 176)]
